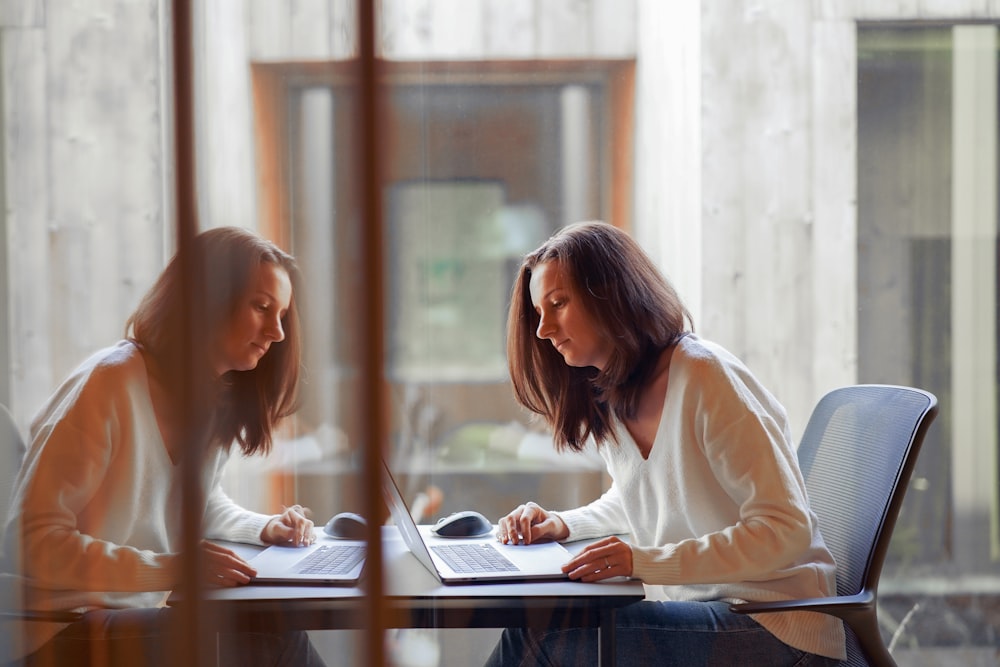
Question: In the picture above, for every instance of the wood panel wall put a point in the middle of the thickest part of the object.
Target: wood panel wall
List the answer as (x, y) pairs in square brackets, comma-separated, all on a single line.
[(87, 137), (745, 166), (745, 175), (84, 128)]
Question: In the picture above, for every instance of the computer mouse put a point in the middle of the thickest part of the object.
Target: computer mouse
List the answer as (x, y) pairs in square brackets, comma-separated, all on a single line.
[(467, 523), (346, 526)]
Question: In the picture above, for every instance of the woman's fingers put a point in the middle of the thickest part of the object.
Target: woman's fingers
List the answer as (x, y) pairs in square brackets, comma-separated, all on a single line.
[(530, 523), (525, 524), (506, 526), (601, 560), (300, 526), (533, 515), (223, 567), (293, 526)]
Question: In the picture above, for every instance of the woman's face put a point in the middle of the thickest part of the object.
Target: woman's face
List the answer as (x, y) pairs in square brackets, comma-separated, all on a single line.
[(563, 319), (256, 321)]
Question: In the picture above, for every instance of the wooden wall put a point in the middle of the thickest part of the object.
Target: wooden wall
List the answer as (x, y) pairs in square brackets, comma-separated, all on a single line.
[(84, 126), (745, 170), (86, 137), (746, 175), (775, 228), (745, 153)]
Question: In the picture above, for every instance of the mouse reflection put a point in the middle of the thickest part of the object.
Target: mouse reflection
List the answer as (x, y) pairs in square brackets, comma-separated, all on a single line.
[(346, 526), (468, 523)]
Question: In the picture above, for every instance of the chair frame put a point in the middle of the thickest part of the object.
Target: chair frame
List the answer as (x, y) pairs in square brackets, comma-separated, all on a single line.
[(859, 611)]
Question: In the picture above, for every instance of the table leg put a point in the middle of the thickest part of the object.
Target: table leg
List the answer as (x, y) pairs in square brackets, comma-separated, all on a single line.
[(606, 639)]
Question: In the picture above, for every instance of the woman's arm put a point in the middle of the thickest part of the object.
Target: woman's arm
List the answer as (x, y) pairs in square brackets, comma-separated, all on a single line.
[(745, 440), (58, 490), (226, 520), (604, 516), (530, 522)]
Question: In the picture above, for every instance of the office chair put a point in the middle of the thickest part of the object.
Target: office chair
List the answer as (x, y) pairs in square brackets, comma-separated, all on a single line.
[(857, 455)]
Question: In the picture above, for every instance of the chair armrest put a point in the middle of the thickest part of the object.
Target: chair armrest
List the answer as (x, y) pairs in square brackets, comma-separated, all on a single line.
[(840, 606), (38, 615), (12, 604)]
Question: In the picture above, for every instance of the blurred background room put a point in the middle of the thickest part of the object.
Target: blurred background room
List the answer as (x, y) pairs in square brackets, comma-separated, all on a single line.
[(818, 179)]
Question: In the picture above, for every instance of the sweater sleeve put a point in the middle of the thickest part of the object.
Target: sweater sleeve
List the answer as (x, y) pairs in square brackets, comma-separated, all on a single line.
[(58, 484), (743, 435), (226, 520), (604, 516)]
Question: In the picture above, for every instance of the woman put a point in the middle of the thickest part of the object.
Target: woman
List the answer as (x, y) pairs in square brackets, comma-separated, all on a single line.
[(704, 473), (210, 359)]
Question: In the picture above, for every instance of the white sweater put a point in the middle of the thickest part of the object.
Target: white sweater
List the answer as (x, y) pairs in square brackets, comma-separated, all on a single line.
[(719, 509), (99, 500)]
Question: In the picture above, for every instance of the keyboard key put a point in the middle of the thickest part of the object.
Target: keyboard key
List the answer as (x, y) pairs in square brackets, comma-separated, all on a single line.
[(336, 559), (474, 558)]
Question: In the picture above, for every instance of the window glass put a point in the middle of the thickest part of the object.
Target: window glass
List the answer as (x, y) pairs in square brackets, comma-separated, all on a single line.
[(482, 164), (927, 297)]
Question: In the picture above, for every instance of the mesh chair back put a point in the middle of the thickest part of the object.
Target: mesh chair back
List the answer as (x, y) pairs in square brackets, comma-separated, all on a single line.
[(857, 454), (11, 455)]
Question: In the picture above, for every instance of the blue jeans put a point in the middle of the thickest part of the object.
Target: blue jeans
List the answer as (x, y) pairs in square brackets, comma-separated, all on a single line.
[(148, 637), (691, 634)]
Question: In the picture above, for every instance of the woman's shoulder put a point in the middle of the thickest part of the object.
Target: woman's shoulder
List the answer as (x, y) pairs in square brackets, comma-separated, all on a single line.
[(122, 358), (711, 372), (695, 352), (707, 364), (106, 374)]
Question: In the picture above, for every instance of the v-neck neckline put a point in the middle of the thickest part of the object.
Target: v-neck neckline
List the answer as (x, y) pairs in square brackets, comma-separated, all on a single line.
[(644, 455), (150, 391)]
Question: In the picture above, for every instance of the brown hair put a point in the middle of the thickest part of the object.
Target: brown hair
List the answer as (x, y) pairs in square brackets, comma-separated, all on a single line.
[(180, 317), (632, 305)]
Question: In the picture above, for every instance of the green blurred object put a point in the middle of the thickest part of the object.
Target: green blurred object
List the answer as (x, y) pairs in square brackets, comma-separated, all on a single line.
[(468, 443)]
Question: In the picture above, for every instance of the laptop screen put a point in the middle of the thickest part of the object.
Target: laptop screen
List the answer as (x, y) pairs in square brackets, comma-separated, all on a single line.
[(401, 516)]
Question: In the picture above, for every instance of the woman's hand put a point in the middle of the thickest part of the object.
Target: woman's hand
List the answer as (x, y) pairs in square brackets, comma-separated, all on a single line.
[(222, 568), (292, 527), (604, 559), (530, 523)]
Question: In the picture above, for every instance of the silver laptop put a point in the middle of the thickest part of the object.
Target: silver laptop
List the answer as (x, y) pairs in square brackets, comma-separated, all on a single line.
[(328, 560), (472, 559)]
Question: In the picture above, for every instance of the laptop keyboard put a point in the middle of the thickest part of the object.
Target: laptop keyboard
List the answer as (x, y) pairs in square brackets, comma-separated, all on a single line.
[(332, 559), (474, 558)]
